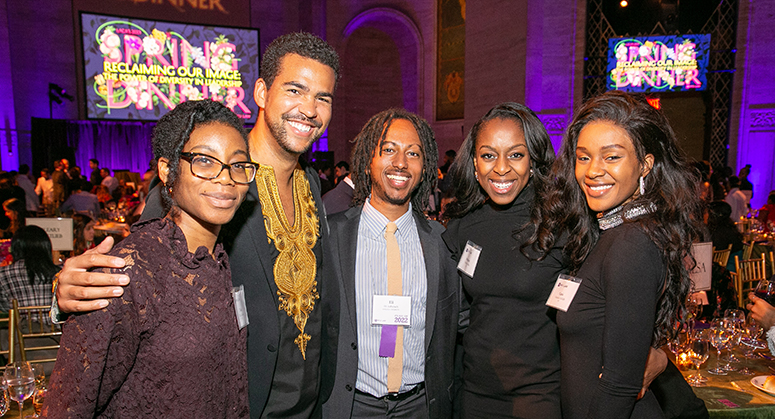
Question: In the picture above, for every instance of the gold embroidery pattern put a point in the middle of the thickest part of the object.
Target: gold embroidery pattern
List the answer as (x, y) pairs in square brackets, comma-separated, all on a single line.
[(295, 267)]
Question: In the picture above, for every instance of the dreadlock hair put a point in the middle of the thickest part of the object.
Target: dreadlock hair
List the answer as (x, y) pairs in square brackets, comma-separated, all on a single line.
[(304, 44), (31, 244), (469, 194), (671, 187), (174, 129), (369, 141)]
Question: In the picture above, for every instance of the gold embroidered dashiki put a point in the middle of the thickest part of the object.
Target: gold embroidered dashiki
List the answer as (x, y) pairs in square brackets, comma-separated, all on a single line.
[(295, 267)]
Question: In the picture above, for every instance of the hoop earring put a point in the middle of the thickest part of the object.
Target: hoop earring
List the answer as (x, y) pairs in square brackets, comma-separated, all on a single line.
[(642, 188)]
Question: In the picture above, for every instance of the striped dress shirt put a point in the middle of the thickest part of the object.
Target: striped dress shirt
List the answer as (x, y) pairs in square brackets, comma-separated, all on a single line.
[(370, 280)]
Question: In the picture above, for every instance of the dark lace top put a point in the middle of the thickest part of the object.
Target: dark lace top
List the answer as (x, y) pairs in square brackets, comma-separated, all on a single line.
[(169, 347)]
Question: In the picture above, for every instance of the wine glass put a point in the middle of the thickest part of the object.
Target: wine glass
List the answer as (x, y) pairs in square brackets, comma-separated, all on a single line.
[(4, 402), (21, 382), (718, 337), (679, 344), (766, 290), (753, 331), (694, 309), (40, 388), (698, 353)]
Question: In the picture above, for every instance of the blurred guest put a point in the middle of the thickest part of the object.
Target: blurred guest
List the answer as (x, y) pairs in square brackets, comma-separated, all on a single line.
[(108, 181), (103, 195), (24, 182), (45, 189), (445, 181), (767, 212), (65, 166), (723, 231), (325, 172), (341, 171), (339, 198), (81, 201), (83, 233), (59, 179), (736, 199), (16, 212), (745, 185), (75, 174), (28, 279), (706, 191), (8, 190), (96, 177)]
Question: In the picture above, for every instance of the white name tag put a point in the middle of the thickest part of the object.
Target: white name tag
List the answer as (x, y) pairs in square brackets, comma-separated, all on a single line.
[(563, 292), (392, 310), (240, 308), (469, 258)]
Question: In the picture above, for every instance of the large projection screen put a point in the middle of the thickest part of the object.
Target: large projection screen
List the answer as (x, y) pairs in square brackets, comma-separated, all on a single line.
[(672, 63), (137, 69)]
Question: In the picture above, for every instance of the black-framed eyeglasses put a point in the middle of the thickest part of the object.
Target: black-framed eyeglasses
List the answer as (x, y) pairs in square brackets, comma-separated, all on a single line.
[(208, 167)]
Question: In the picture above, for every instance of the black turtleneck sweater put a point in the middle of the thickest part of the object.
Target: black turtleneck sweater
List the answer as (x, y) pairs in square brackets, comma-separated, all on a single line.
[(512, 357)]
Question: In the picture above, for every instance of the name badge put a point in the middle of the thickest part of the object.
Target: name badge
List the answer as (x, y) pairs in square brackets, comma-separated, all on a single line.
[(469, 258), (240, 308), (395, 310), (563, 292)]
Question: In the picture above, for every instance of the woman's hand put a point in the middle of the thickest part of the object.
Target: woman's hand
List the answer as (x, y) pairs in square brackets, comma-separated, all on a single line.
[(655, 365)]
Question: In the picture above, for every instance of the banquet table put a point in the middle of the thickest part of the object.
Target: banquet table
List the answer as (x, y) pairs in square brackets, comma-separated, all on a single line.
[(733, 395)]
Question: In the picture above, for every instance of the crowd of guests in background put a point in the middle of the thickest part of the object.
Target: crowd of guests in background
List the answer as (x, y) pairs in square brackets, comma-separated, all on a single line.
[(65, 191)]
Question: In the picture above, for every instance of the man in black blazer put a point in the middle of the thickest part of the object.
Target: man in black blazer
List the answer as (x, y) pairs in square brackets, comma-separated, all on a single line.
[(394, 170), (290, 363)]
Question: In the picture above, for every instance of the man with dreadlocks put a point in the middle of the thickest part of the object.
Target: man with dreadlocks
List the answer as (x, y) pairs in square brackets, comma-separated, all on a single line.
[(275, 241), (395, 356)]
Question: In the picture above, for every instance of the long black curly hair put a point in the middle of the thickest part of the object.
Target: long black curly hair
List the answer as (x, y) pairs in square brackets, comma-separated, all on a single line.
[(671, 187), (469, 195), (370, 139), (301, 43), (174, 129)]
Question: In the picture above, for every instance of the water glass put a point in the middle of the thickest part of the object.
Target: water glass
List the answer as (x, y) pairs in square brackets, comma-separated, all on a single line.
[(698, 353), (21, 383)]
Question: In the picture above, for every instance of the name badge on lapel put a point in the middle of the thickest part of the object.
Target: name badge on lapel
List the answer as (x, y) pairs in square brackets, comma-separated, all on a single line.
[(240, 308), (469, 258), (563, 292)]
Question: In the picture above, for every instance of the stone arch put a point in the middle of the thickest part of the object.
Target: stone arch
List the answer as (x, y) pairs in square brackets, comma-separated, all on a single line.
[(381, 68)]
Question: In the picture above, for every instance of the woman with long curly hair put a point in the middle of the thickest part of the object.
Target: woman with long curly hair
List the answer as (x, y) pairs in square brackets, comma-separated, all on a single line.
[(511, 361), (626, 199)]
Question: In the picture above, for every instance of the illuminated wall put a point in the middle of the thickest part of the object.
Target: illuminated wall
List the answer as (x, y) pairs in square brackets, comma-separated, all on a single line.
[(753, 110)]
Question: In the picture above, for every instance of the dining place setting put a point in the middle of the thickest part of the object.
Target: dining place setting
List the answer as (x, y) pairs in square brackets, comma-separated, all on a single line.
[(727, 361)]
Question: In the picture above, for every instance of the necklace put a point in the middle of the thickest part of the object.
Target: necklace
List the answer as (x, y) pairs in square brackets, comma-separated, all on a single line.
[(615, 217), (295, 267)]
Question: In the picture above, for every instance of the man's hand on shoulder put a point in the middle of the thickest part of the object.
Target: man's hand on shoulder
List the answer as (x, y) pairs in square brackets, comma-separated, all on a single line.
[(79, 290)]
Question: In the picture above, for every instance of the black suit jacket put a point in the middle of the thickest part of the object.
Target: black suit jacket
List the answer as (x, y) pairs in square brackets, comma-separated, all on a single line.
[(441, 318), (251, 263)]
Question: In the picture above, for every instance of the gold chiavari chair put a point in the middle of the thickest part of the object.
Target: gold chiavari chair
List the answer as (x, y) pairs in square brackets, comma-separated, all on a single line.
[(747, 250), (722, 256), (8, 326), (37, 338), (749, 273)]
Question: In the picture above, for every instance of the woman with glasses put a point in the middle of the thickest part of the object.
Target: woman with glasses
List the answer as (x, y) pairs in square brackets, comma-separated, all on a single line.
[(171, 345)]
